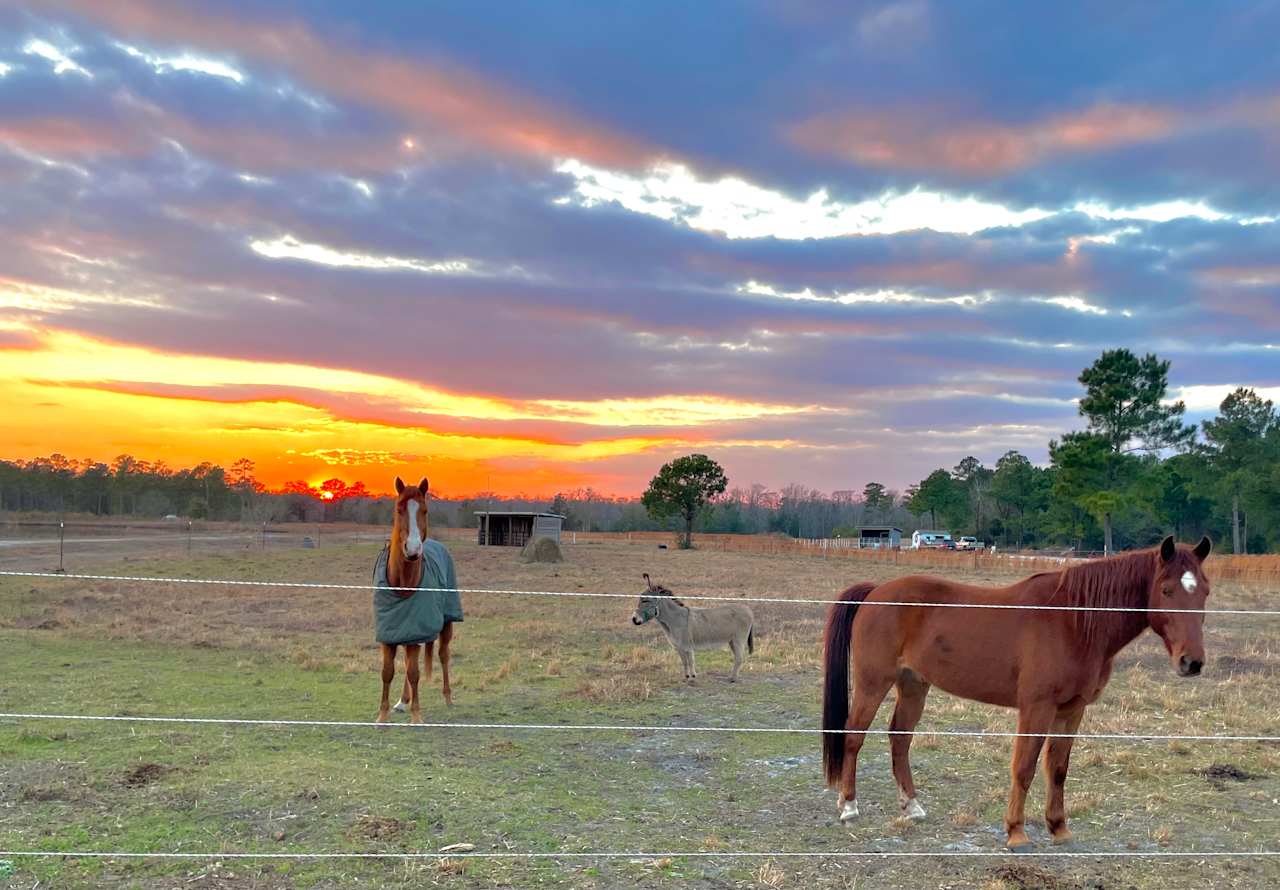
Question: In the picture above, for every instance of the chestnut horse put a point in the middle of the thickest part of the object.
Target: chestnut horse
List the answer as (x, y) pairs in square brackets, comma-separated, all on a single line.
[(1048, 664), (405, 560)]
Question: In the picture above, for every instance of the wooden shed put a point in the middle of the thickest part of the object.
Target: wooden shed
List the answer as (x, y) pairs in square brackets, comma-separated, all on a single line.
[(879, 537), (511, 528)]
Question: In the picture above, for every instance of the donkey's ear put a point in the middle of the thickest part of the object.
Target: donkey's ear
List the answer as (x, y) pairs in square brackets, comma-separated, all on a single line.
[(399, 485), (1168, 549), (1203, 548), (422, 486), (647, 582)]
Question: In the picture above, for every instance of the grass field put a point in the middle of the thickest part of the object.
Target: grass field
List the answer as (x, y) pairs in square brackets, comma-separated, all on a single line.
[(159, 649)]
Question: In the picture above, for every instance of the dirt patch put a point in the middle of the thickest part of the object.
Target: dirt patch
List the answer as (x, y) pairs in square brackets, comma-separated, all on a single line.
[(1220, 773), (1028, 877), (144, 774), (380, 827)]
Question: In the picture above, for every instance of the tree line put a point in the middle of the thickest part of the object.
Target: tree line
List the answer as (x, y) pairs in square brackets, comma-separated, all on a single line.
[(1135, 472)]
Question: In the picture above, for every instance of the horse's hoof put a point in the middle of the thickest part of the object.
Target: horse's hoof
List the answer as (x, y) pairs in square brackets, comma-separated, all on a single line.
[(1019, 843), (398, 707), (1063, 837), (913, 811), (416, 718), (849, 811), (382, 717)]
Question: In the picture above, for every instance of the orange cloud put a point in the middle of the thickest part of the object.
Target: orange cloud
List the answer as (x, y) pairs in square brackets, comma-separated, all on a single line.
[(67, 393), (925, 139), (430, 95)]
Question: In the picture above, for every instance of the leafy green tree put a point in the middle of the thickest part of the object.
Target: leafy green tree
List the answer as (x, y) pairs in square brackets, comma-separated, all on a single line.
[(1124, 404), (937, 493), (876, 499), (682, 488), (1237, 438), (975, 480), (1014, 487)]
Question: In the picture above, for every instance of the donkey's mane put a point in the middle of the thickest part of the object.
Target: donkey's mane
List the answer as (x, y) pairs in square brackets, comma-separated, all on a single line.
[(663, 590), (1111, 582)]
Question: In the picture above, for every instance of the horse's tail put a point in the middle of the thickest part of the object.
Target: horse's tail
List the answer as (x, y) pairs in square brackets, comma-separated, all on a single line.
[(835, 687), (751, 639)]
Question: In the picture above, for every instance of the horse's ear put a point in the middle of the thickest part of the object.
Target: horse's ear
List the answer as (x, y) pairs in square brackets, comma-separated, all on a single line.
[(399, 485), (1203, 548), (422, 486), (1168, 549)]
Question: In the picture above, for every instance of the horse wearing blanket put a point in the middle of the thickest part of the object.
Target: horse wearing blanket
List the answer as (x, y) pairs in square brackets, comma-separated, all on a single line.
[(425, 606), (691, 629)]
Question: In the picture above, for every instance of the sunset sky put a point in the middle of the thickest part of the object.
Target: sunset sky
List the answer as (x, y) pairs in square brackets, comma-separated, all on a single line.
[(536, 246)]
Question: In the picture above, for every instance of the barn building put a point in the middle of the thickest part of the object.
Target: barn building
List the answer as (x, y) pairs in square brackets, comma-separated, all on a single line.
[(513, 528), (879, 537)]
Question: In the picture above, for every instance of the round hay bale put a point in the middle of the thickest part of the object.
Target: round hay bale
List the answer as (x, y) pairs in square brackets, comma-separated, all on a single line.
[(542, 550)]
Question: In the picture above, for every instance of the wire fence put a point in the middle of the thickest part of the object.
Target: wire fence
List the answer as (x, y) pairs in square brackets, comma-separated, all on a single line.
[(449, 853), (914, 604), (639, 727)]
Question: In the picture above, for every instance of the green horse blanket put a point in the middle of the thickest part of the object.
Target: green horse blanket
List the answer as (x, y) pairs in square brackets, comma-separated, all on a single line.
[(417, 617)]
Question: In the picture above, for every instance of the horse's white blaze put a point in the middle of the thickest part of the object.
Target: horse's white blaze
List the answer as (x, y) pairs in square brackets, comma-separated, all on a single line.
[(849, 811), (413, 541), (1189, 582)]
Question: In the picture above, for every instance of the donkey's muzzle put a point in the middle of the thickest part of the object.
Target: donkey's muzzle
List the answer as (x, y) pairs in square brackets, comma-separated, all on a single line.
[(635, 619), (1189, 667)]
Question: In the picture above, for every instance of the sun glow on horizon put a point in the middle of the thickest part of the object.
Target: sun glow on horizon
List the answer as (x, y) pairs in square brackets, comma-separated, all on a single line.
[(112, 398)]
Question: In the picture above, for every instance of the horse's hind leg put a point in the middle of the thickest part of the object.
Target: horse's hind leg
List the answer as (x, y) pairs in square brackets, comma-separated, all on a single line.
[(411, 680), (912, 690), (1056, 760), (446, 640), (868, 693), (388, 674)]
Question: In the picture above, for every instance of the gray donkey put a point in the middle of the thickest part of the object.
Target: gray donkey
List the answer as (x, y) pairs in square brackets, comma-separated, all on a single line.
[(690, 629)]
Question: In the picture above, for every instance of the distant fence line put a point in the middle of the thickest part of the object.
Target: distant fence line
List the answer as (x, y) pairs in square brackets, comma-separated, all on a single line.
[(1254, 569)]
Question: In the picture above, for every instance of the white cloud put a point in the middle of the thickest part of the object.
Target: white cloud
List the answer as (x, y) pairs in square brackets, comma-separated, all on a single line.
[(737, 208), (290, 248), (852, 297), (5, 68), (61, 58), (1163, 211), (740, 209), (1208, 397), (185, 62), (1075, 304)]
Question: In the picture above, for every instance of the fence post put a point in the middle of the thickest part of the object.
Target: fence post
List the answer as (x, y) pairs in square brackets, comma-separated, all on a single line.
[(188, 537), (264, 535), (62, 536)]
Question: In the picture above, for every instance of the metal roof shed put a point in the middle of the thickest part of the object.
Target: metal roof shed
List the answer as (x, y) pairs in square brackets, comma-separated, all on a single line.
[(515, 528)]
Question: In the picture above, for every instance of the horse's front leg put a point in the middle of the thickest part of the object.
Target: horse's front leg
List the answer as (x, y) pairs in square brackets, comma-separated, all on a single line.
[(388, 674), (1056, 761), (1034, 722), (411, 678)]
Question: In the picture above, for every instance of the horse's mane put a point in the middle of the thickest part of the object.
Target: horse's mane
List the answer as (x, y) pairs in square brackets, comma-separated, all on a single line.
[(1111, 582)]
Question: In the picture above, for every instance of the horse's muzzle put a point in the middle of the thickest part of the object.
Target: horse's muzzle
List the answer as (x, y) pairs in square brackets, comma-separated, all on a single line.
[(1189, 667)]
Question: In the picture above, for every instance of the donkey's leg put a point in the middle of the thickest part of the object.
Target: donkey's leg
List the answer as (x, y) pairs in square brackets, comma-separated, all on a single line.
[(869, 691), (693, 666), (684, 663), (736, 646), (388, 674), (912, 690), (411, 677), (1034, 722), (446, 641), (1056, 760)]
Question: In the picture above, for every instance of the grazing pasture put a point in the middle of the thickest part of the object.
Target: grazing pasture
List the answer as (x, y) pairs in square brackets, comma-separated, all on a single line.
[(123, 648)]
